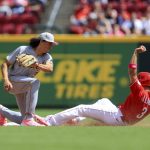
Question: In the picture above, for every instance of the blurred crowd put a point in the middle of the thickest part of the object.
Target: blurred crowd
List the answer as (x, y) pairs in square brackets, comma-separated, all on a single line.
[(19, 16), (111, 17)]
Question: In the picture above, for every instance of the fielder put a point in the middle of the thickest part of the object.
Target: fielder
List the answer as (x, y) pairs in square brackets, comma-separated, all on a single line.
[(135, 108), (19, 71)]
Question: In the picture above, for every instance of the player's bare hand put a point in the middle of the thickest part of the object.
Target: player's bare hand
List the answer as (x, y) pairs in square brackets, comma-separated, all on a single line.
[(34, 65), (7, 85), (140, 49)]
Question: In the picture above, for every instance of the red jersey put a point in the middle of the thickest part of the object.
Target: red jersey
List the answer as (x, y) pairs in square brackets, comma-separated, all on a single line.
[(137, 104)]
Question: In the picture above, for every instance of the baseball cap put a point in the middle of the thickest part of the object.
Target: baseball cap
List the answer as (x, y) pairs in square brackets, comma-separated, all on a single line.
[(144, 78), (48, 37)]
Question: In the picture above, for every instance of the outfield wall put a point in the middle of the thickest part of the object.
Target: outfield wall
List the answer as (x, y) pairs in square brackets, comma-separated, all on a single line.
[(85, 69)]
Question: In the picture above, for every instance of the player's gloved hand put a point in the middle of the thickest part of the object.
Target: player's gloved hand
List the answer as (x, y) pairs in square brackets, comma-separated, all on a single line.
[(140, 49), (26, 60)]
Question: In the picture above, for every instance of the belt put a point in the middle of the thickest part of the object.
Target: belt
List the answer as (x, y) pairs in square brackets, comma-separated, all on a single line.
[(123, 120)]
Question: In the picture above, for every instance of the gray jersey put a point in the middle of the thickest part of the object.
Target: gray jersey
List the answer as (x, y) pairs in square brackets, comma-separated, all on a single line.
[(17, 70)]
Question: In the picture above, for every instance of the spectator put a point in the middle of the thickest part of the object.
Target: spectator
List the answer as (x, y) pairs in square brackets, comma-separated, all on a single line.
[(146, 23), (17, 15), (81, 12), (104, 26), (18, 9), (97, 7), (137, 24), (90, 28), (117, 31), (5, 9), (22, 2), (132, 19), (112, 15), (126, 25)]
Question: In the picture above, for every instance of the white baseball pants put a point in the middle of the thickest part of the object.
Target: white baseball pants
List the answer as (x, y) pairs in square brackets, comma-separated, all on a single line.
[(103, 110)]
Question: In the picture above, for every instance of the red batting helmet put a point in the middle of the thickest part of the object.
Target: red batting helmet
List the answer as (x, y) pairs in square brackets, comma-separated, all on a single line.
[(144, 78)]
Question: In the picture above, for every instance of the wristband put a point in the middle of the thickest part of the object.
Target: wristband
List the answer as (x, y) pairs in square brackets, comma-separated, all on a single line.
[(132, 66)]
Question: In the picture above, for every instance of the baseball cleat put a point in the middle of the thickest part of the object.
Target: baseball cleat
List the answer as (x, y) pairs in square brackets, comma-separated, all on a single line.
[(3, 120), (30, 122), (40, 120), (11, 124)]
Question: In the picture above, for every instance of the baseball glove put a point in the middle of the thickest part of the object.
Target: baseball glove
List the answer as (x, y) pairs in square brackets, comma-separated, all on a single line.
[(26, 60)]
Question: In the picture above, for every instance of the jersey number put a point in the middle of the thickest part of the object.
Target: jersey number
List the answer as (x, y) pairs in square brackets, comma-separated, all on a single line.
[(144, 110)]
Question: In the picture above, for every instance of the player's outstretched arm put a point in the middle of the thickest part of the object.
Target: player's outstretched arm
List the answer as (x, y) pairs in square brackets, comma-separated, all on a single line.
[(48, 67), (132, 67), (4, 69)]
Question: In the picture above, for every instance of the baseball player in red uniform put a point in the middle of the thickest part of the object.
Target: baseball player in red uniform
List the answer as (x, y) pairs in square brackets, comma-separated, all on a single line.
[(135, 108)]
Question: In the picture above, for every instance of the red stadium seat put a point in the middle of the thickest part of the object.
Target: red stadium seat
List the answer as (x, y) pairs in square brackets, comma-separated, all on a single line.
[(8, 28), (20, 28), (29, 19)]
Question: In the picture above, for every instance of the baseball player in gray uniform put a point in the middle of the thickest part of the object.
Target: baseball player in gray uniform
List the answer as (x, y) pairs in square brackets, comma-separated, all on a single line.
[(20, 80)]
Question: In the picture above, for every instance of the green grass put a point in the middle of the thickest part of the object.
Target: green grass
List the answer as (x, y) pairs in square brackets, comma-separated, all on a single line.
[(76, 137)]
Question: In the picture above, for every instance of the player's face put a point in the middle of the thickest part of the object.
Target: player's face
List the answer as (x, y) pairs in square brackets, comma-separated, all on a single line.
[(46, 46)]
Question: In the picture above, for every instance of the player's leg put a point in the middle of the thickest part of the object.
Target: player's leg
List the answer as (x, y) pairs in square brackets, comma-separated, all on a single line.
[(64, 116), (27, 85), (102, 110), (16, 116), (32, 98), (105, 111), (31, 87), (3, 119), (21, 102), (11, 115), (31, 102)]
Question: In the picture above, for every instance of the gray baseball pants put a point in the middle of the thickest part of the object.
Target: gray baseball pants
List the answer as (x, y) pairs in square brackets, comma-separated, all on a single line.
[(25, 89)]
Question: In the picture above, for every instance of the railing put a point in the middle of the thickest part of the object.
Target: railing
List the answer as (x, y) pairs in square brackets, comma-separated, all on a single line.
[(54, 13)]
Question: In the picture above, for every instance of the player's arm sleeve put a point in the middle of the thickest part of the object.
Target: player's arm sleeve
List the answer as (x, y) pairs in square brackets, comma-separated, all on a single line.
[(46, 65), (11, 58), (48, 59), (136, 87)]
